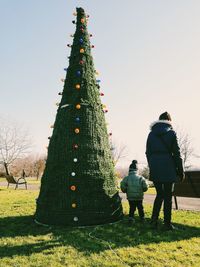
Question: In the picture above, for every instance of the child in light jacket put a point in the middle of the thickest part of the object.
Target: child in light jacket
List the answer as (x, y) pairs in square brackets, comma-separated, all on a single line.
[(134, 186)]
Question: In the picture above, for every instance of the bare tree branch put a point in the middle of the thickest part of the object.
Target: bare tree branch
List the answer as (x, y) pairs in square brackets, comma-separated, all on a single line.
[(186, 148), (119, 151), (32, 165), (14, 142)]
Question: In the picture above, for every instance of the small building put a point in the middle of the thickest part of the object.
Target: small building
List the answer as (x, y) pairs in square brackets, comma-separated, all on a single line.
[(190, 187)]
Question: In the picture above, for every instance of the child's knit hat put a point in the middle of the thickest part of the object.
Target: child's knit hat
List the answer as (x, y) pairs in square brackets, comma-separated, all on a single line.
[(134, 165), (165, 116)]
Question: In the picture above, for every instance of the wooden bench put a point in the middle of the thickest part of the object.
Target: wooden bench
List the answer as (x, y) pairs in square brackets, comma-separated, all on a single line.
[(190, 187), (11, 180)]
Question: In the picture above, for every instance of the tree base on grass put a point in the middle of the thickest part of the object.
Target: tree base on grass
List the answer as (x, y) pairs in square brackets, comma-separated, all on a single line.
[(109, 211)]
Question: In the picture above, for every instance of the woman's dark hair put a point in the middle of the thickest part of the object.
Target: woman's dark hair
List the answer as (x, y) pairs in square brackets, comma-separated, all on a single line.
[(165, 116)]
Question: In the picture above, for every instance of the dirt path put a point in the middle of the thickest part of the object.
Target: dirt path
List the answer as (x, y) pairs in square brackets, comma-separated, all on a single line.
[(184, 203)]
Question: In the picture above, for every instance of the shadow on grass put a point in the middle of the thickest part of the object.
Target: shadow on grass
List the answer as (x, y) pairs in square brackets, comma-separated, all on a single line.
[(87, 240)]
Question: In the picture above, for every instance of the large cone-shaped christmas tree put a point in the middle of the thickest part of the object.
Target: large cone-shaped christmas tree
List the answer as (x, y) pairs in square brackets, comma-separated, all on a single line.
[(78, 186)]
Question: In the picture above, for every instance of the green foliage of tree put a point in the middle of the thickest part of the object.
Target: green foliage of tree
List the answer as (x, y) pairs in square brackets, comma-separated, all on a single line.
[(78, 186)]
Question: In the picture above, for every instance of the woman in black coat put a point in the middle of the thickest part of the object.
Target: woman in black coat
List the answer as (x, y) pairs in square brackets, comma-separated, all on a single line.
[(165, 164)]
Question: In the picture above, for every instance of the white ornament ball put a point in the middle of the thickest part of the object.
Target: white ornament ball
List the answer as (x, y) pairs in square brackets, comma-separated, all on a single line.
[(73, 174), (76, 219), (75, 159)]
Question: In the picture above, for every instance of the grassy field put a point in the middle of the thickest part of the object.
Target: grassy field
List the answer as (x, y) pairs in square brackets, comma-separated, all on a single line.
[(30, 180), (25, 244), (34, 181), (151, 190)]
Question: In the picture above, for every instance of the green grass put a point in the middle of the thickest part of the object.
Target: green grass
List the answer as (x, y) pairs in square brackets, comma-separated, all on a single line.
[(30, 180), (151, 190), (25, 244)]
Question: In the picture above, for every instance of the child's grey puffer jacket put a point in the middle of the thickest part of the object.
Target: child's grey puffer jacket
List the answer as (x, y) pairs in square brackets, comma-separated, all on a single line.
[(134, 186)]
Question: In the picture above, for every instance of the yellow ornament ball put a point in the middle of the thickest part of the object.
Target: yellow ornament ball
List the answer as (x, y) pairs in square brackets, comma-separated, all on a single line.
[(78, 86), (78, 106), (82, 50), (77, 130), (73, 205)]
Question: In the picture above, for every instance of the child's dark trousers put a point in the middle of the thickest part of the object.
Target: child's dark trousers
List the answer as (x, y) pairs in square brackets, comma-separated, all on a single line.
[(133, 204)]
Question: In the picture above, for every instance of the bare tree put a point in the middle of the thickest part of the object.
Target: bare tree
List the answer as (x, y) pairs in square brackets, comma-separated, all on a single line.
[(144, 172), (38, 166), (14, 142), (119, 151), (121, 172), (30, 166), (186, 148)]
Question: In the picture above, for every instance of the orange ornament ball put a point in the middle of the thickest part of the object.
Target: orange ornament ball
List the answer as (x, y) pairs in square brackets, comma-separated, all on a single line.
[(73, 187), (78, 106), (82, 20), (77, 130), (82, 50), (78, 86)]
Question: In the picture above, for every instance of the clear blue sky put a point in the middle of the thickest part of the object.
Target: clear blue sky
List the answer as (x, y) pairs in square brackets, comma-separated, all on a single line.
[(147, 53)]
